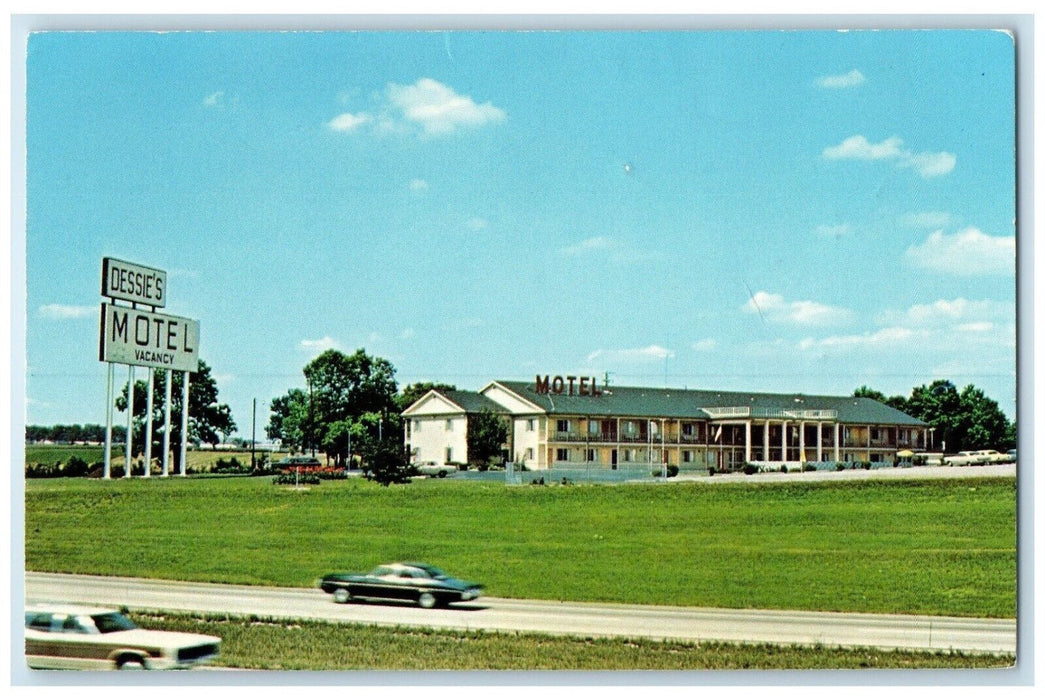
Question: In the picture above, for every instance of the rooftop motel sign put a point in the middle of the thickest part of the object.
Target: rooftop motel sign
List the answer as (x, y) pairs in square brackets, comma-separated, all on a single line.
[(569, 385), (147, 339), (134, 283)]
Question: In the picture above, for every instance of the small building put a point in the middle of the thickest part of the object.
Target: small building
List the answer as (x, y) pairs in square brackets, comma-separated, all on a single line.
[(618, 427), (436, 425)]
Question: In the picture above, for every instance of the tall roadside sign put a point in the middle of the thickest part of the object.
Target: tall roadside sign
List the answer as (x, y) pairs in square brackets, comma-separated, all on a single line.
[(137, 337)]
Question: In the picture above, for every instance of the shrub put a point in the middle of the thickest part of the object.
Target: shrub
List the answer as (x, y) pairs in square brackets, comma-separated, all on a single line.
[(230, 466), (808, 467), (289, 478), (866, 465), (839, 466), (711, 471), (750, 468), (673, 470), (75, 467)]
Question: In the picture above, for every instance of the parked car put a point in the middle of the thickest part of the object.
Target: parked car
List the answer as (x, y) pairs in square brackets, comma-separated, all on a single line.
[(1011, 455), (962, 459), (433, 469), (90, 638), (424, 584), (991, 457)]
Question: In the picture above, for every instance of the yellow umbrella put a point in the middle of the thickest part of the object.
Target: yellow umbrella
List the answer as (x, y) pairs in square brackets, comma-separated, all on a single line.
[(905, 453)]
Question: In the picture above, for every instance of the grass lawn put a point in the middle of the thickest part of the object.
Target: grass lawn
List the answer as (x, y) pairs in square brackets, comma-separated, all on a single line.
[(275, 645), (932, 547), (201, 460)]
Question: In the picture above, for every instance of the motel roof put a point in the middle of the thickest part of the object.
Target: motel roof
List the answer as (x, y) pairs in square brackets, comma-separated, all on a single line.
[(647, 402)]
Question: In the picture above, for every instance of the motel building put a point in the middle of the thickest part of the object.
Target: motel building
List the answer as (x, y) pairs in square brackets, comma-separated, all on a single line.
[(569, 422)]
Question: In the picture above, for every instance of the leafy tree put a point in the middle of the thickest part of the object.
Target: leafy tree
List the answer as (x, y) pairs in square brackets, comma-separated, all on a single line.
[(385, 463), (208, 420), (487, 433), (345, 395), (965, 420), (412, 392)]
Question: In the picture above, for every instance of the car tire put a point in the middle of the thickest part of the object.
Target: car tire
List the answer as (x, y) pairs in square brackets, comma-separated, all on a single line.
[(130, 663), (442, 473), (426, 600), (342, 595)]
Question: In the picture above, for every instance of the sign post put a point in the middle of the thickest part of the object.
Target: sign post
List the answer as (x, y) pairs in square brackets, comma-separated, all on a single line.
[(138, 338)]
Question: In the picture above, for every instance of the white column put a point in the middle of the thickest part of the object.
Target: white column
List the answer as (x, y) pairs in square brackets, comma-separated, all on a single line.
[(765, 442), (167, 424), (130, 422), (819, 441), (802, 440), (148, 423), (747, 440), (783, 441), (107, 469), (837, 446), (184, 424)]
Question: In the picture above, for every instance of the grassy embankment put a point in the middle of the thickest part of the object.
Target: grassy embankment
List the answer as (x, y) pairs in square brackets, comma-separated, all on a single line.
[(931, 547), (273, 645)]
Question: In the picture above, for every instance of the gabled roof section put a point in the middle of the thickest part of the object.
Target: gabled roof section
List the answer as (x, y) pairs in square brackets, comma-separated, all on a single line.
[(646, 402), (443, 401)]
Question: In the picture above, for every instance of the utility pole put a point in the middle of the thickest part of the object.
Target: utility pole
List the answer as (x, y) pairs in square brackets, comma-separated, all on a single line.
[(253, 429)]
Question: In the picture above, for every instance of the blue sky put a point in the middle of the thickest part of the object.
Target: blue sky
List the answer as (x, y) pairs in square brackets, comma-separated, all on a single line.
[(763, 210)]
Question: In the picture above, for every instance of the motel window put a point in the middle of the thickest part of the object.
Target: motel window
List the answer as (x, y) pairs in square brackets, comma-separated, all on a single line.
[(629, 455), (417, 425), (589, 455), (629, 427), (687, 456), (562, 425), (449, 424), (562, 455), (529, 453), (449, 455), (530, 424), (687, 429), (593, 427)]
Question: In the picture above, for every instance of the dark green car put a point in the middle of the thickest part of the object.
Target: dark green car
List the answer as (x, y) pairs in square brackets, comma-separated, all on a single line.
[(407, 581)]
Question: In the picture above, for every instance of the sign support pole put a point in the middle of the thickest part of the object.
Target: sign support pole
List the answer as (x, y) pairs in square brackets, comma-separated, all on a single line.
[(130, 422), (107, 471), (148, 424), (184, 423), (167, 424)]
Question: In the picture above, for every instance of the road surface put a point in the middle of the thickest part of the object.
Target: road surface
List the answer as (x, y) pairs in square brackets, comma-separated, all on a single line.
[(914, 632)]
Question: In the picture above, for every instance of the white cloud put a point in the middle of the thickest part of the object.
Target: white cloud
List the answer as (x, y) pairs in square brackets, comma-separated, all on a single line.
[(320, 345), (476, 223), (213, 99), (407, 334), (705, 345), (650, 353), (348, 121), (859, 148), (774, 308), (63, 312), (440, 110), (947, 312), (588, 245), (927, 164), (846, 80), (418, 185), (883, 336), (968, 253)]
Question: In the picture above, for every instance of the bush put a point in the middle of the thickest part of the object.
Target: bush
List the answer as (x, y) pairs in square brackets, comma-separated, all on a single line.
[(711, 471), (865, 465), (291, 479), (750, 468), (839, 466), (808, 467), (673, 470), (783, 469), (75, 467), (230, 466)]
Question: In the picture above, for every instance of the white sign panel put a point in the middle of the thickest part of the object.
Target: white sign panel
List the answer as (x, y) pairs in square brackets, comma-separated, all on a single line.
[(147, 339), (134, 283)]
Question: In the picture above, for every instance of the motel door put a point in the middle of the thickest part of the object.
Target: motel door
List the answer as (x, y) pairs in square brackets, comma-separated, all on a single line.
[(613, 457)]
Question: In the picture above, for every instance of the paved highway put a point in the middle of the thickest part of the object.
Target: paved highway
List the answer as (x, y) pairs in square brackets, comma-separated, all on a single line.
[(583, 619)]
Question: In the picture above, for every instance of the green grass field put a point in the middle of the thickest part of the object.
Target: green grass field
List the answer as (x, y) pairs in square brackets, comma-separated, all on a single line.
[(278, 645), (932, 547)]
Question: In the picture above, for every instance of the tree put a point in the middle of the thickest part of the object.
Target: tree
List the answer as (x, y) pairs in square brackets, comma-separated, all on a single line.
[(412, 392), (966, 420), (487, 433), (208, 419), (345, 395)]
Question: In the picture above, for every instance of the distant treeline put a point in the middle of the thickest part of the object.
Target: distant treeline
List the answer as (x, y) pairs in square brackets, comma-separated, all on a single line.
[(70, 434)]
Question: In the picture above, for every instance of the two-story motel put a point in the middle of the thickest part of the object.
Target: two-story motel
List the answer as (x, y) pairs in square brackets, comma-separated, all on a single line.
[(572, 422)]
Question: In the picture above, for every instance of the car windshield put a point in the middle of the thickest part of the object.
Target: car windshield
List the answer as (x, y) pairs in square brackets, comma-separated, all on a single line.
[(433, 572), (112, 622)]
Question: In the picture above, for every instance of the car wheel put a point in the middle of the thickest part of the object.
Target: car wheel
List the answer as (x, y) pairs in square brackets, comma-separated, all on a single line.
[(442, 473), (130, 663), (342, 595), (426, 600)]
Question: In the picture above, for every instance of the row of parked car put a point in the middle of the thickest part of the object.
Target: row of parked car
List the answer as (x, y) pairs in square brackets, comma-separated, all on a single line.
[(970, 458)]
